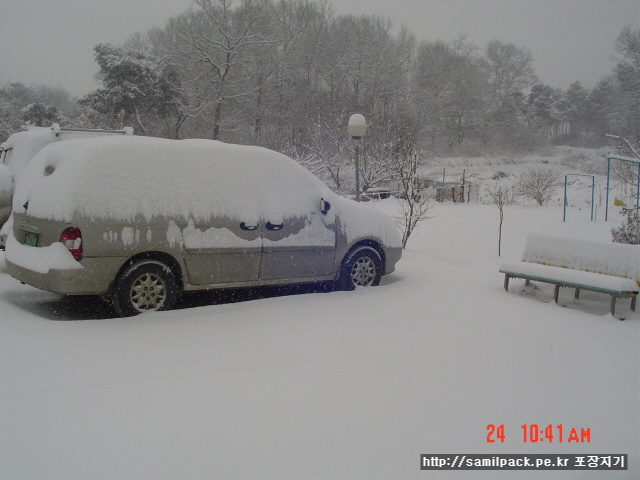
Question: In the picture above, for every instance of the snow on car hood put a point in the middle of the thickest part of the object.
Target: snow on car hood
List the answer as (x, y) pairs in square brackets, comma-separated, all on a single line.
[(359, 221), (124, 178)]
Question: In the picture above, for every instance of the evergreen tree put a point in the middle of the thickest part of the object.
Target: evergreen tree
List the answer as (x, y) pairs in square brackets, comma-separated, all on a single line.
[(138, 89)]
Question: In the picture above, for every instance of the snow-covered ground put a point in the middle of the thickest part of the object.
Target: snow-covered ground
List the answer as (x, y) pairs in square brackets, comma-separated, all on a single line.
[(483, 171), (327, 385)]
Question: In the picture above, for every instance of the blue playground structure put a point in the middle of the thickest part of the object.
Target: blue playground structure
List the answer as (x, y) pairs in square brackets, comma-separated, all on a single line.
[(593, 189), (622, 159)]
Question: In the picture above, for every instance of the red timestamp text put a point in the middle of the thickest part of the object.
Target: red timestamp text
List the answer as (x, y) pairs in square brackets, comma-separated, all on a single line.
[(534, 433)]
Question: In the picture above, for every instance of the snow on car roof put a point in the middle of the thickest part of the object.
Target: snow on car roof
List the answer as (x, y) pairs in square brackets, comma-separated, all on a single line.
[(126, 177), (24, 145)]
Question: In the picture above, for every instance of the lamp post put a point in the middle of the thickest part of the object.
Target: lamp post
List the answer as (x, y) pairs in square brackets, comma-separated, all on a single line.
[(357, 127)]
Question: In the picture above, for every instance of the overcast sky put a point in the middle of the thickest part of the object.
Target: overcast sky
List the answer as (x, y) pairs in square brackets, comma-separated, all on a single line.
[(51, 42)]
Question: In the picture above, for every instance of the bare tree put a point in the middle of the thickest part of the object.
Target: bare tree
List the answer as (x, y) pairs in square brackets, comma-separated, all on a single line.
[(449, 87), (627, 98), (538, 184), (213, 43), (509, 69), (501, 195), (375, 168), (322, 148), (415, 202), (626, 172)]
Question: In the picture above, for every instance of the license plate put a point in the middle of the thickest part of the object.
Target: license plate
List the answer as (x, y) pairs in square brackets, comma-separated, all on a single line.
[(30, 239)]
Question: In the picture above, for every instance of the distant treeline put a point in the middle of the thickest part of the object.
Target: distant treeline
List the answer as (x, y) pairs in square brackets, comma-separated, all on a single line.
[(288, 74)]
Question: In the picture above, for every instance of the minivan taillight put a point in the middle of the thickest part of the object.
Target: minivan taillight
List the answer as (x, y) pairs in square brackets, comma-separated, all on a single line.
[(72, 239)]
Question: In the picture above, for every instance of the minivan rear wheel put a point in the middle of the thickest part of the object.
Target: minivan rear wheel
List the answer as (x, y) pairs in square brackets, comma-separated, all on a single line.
[(146, 286), (360, 268)]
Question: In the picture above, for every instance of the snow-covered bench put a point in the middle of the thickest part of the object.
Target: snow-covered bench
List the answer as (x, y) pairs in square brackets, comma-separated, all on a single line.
[(611, 268)]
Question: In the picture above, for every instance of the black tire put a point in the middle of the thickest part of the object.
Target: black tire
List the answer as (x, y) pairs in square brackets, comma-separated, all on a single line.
[(360, 268), (145, 286)]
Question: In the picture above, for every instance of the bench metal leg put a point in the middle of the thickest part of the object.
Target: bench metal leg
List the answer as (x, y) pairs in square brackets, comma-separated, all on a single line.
[(578, 290), (613, 303)]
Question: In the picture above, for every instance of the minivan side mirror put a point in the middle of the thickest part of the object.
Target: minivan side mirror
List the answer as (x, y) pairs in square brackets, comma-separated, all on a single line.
[(324, 206)]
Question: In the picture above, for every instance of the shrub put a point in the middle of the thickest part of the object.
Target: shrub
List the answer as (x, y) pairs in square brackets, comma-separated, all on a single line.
[(538, 184), (629, 231)]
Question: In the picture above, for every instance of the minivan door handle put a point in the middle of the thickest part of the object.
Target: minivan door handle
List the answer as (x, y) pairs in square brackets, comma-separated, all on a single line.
[(272, 226), (244, 226)]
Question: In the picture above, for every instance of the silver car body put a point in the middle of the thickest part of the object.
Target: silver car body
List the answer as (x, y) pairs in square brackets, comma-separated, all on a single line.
[(217, 215)]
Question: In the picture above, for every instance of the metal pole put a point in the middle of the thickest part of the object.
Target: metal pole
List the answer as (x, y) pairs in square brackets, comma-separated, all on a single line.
[(463, 173), (564, 203), (357, 171), (638, 190), (593, 193), (606, 205)]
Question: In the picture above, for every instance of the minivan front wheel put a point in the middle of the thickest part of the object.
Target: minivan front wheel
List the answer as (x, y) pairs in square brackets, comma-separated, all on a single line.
[(145, 286), (361, 268)]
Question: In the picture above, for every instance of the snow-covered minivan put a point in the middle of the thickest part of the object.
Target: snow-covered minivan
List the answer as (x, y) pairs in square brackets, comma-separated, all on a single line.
[(21, 147), (139, 220)]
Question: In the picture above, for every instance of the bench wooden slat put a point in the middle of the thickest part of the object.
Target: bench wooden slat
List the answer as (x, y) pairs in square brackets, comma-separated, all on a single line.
[(610, 258)]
